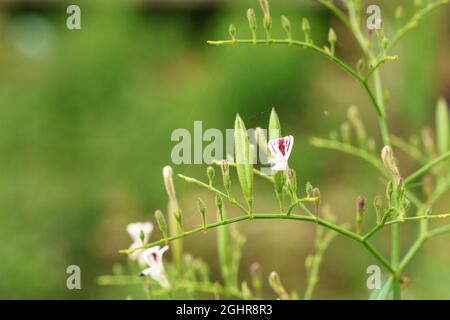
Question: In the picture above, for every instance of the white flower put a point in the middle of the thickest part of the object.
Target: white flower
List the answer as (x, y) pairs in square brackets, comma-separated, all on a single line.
[(135, 230), (153, 257), (280, 148)]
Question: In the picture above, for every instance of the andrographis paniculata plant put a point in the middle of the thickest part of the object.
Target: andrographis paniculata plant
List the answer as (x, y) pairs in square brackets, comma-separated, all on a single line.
[(400, 205)]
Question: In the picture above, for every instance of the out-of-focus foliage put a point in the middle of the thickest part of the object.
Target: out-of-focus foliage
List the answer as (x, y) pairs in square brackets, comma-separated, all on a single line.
[(86, 118)]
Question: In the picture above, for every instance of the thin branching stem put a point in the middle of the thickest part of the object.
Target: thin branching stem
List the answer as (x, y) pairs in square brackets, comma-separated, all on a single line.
[(420, 172)]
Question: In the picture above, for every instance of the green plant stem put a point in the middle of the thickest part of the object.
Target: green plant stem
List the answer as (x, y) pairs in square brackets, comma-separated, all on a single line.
[(395, 257), (420, 172), (349, 149), (319, 50), (338, 12), (413, 22), (407, 148), (266, 216)]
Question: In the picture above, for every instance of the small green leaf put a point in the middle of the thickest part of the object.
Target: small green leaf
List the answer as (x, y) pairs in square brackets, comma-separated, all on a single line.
[(244, 165), (442, 126)]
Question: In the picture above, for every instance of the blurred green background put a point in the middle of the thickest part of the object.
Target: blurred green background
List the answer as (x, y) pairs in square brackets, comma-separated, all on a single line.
[(86, 118)]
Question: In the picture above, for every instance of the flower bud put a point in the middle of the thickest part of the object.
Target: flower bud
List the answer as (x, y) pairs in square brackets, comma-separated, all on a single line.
[(387, 155), (255, 269), (162, 224), (306, 29), (358, 126), (389, 192), (226, 176), (345, 132), (360, 207), (378, 204), (308, 189), (332, 38), (292, 182), (277, 286), (219, 205), (267, 18), (286, 26), (210, 173), (316, 195), (251, 17), (232, 31), (168, 182), (202, 210)]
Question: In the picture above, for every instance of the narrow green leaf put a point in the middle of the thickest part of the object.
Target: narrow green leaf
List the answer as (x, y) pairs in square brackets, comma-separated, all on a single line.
[(243, 159), (442, 126), (278, 177)]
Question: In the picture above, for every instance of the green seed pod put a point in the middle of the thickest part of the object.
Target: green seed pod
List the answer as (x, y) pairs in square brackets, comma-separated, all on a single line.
[(278, 177), (442, 126), (244, 166)]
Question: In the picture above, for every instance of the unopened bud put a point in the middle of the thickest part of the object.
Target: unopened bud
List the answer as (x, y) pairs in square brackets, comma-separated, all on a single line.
[(232, 31), (389, 192), (306, 29), (360, 207), (219, 205), (267, 18), (162, 224), (358, 126), (308, 189), (286, 26), (202, 210), (292, 182), (345, 132), (255, 269), (378, 204), (168, 182), (226, 175), (332, 38), (211, 173), (251, 17), (277, 286), (387, 155), (316, 195)]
